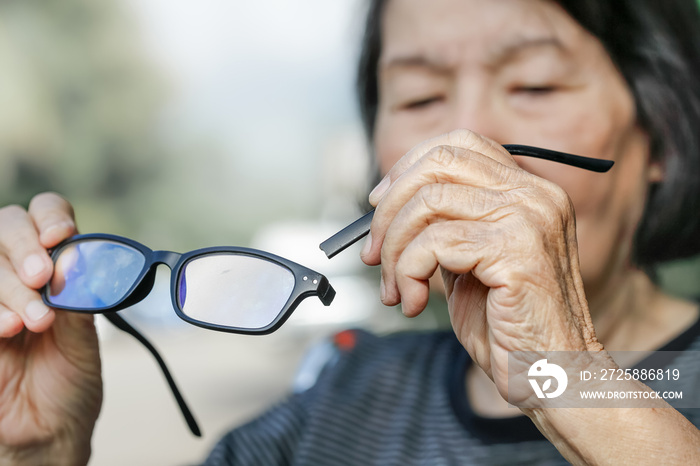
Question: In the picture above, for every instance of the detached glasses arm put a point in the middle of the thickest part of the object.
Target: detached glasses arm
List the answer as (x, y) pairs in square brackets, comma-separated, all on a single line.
[(124, 326), (578, 161), (357, 230)]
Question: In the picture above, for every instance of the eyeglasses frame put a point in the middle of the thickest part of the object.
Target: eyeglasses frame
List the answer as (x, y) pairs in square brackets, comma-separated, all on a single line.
[(307, 282)]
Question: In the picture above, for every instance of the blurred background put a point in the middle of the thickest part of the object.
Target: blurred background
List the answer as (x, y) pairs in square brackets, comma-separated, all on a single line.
[(183, 125), (189, 124), (210, 119)]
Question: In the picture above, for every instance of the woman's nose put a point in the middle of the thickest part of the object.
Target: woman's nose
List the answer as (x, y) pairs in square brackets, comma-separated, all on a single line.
[(473, 110)]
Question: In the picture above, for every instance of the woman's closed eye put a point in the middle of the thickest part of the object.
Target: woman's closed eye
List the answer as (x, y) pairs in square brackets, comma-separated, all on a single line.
[(534, 90), (421, 103)]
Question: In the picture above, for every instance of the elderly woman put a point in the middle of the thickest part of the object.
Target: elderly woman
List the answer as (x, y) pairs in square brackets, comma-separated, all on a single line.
[(535, 256)]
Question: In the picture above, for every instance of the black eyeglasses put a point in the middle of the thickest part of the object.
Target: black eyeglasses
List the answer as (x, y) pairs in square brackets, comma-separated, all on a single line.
[(230, 289)]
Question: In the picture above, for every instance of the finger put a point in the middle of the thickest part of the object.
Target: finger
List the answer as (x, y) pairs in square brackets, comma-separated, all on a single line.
[(19, 242), (442, 164), (10, 323), (54, 218), (433, 204), (23, 301), (456, 246), (461, 138), (421, 258), (504, 256)]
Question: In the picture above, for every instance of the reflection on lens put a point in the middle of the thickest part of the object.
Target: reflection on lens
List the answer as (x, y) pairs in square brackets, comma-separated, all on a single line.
[(234, 290), (94, 274)]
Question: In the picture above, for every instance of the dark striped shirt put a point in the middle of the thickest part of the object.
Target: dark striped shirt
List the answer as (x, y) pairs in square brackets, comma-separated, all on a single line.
[(399, 400)]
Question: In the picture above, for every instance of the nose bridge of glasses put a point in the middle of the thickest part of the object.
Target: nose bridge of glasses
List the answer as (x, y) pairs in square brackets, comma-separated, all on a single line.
[(168, 258)]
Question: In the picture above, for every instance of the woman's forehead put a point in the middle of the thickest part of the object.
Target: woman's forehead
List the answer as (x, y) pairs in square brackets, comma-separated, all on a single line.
[(447, 31)]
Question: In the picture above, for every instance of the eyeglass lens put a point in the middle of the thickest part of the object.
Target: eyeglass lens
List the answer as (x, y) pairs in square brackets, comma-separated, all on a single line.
[(234, 290), (94, 274)]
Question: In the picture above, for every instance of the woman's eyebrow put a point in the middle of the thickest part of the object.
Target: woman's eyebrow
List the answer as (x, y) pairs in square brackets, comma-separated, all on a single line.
[(510, 51), (413, 61), (497, 56)]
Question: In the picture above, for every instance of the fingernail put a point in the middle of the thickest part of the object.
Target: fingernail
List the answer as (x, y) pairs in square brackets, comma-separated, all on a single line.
[(379, 190), (382, 290), (36, 310), (367, 246), (33, 265), (63, 226)]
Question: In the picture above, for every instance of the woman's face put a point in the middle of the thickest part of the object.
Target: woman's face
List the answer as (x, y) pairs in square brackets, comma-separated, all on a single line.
[(520, 72)]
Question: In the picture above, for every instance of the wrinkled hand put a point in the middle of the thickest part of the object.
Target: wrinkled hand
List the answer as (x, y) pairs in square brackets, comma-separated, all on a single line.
[(50, 383), (505, 241)]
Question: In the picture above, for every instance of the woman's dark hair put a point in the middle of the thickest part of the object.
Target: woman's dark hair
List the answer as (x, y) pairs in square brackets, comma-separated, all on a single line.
[(656, 46)]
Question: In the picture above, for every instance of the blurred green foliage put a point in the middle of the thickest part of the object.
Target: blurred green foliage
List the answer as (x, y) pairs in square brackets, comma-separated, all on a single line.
[(78, 103), (82, 113), (681, 278)]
